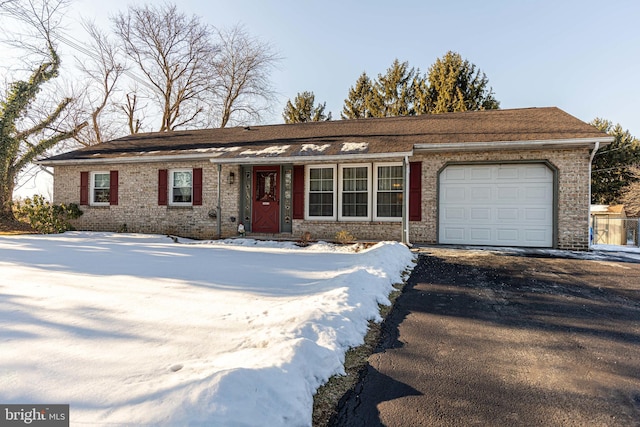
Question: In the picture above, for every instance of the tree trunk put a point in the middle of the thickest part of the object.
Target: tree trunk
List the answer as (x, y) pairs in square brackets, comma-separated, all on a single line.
[(6, 198)]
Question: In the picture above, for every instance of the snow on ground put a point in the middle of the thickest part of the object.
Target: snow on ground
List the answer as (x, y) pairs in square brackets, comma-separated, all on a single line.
[(616, 248), (136, 329)]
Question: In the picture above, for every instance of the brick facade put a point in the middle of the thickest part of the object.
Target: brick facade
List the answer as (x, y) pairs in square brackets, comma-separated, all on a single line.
[(138, 209)]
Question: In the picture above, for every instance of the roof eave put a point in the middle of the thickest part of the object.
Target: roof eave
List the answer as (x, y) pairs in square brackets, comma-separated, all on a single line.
[(219, 160), (512, 145)]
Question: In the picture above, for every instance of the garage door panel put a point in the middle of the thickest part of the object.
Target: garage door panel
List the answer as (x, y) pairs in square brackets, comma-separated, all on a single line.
[(455, 213), (510, 214), (479, 173), (507, 173), (480, 234), (540, 236), (455, 174), (480, 214), (454, 194), (538, 172), (536, 193), (480, 193), (505, 205), (507, 236), (536, 214), (509, 194), (455, 234)]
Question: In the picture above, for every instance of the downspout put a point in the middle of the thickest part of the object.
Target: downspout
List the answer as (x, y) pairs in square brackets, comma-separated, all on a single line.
[(596, 146), (405, 201), (218, 207)]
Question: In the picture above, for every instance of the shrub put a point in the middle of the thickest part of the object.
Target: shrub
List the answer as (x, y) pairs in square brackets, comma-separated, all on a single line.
[(45, 217), (305, 239), (344, 237)]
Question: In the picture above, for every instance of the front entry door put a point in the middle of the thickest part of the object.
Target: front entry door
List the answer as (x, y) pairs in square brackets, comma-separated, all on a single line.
[(266, 204)]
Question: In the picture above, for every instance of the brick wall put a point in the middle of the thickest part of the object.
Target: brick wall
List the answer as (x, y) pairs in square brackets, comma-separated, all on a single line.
[(326, 230), (138, 211), (138, 200)]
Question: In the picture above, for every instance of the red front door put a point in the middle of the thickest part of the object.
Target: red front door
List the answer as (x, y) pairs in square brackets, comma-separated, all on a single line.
[(266, 203)]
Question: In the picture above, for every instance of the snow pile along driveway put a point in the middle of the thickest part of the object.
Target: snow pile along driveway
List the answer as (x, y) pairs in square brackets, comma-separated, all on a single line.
[(137, 329)]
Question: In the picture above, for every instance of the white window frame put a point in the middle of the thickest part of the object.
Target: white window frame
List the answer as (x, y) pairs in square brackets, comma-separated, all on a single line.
[(92, 187), (341, 169), (375, 191), (171, 174), (307, 188)]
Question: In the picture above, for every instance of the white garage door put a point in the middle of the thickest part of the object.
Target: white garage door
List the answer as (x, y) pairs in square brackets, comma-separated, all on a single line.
[(496, 205)]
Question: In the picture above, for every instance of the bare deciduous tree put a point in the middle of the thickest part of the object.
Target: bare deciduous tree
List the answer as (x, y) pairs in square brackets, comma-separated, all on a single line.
[(242, 70), (103, 67), (130, 109), (631, 195), (174, 52)]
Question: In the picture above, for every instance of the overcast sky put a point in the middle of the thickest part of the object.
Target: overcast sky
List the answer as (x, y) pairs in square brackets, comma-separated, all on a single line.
[(581, 56)]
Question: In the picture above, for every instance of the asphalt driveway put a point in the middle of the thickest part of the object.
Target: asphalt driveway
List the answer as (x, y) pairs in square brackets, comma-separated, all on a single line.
[(501, 339)]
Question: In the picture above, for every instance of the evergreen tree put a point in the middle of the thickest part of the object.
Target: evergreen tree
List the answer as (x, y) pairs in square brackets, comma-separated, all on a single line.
[(303, 110), (612, 171), (358, 103), (452, 84), (421, 101), (393, 92), (456, 85)]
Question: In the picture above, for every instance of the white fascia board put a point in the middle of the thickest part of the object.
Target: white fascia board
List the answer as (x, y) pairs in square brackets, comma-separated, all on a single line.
[(512, 145), (238, 160)]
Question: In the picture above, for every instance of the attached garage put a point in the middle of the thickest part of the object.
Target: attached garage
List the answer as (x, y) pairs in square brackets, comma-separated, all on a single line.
[(509, 204)]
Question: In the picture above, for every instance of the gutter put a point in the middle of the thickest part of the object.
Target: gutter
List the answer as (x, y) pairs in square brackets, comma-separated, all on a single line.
[(511, 145)]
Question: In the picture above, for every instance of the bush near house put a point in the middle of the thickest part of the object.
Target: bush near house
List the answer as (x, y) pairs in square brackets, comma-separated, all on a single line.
[(45, 217)]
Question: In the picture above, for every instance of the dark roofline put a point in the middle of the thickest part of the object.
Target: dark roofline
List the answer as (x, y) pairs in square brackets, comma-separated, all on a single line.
[(382, 135)]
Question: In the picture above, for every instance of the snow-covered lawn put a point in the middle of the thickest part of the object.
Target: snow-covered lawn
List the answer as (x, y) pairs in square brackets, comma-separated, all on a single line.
[(136, 329), (632, 252)]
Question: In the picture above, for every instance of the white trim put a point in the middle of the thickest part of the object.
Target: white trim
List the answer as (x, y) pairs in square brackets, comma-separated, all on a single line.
[(171, 202), (506, 145), (341, 168), (374, 190), (92, 187), (307, 189)]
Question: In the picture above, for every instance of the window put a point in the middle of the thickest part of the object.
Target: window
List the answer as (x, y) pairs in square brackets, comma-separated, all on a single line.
[(389, 191), (354, 192), (322, 190), (181, 187), (100, 186)]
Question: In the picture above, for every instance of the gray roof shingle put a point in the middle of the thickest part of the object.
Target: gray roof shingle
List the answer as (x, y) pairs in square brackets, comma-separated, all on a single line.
[(374, 136)]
